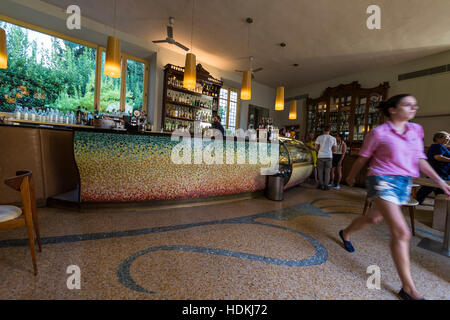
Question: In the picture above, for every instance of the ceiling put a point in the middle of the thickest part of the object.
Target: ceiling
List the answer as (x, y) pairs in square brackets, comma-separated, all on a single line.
[(326, 38)]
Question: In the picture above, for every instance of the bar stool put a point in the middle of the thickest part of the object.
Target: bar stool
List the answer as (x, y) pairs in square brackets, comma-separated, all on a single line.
[(9, 215), (411, 205)]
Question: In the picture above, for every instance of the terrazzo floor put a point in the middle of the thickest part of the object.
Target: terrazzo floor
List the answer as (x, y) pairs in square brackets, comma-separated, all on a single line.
[(250, 248)]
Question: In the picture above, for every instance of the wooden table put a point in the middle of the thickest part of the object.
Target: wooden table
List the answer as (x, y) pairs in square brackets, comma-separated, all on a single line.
[(441, 203)]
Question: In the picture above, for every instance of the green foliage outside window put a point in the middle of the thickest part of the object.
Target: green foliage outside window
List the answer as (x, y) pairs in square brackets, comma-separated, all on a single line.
[(59, 75)]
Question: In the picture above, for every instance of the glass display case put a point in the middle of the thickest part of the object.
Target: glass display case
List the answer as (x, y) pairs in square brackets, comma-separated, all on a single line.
[(295, 161)]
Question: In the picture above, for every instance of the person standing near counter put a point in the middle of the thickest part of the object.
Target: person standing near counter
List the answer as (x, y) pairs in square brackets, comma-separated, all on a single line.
[(325, 145), (338, 160), (397, 152), (439, 158), (312, 146)]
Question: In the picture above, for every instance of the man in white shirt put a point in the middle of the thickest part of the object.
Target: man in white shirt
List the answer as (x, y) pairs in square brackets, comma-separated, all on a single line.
[(325, 145)]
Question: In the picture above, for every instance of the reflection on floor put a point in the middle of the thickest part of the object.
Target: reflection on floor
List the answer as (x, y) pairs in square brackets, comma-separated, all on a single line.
[(240, 249)]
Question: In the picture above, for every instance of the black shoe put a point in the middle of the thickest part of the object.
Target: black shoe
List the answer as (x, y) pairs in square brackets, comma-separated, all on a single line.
[(320, 187), (404, 296), (347, 244), (326, 188)]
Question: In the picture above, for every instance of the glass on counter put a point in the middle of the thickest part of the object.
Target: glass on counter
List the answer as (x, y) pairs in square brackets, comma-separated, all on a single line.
[(44, 115)]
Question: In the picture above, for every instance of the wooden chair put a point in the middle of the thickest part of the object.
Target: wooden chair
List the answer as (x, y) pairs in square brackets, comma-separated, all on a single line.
[(9, 215), (411, 205)]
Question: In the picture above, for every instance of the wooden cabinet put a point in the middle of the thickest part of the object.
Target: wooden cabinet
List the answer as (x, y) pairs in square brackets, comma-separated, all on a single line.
[(348, 109), (181, 108)]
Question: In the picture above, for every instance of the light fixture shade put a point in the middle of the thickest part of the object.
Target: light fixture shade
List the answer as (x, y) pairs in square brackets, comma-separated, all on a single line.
[(112, 60), (279, 101), (246, 88), (293, 110), (190, 74), (3, 54)]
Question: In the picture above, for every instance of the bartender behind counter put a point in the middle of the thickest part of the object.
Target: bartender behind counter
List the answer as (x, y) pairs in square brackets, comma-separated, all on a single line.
[(217, 125)]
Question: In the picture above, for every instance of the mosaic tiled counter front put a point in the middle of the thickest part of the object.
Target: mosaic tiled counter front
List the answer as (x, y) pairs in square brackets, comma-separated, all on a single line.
[(116, 167)]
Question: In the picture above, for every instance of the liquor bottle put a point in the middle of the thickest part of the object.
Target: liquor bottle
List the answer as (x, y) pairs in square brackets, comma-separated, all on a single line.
[(78, 115)]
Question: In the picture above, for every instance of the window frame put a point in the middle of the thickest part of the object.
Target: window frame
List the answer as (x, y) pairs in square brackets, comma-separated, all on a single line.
[(98, 64), (238, 105)]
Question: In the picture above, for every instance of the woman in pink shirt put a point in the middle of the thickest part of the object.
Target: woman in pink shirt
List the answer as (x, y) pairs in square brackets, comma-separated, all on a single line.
[(397, 152)]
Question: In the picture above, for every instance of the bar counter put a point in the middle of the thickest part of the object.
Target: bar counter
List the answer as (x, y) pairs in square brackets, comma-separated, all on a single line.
[(108, 165)]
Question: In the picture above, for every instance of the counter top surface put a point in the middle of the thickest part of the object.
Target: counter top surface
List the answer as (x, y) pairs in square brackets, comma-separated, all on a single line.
[(71, 127)]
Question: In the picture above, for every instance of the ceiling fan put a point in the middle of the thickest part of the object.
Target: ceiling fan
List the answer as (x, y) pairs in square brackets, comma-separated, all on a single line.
[(251, 58), (170, 38)]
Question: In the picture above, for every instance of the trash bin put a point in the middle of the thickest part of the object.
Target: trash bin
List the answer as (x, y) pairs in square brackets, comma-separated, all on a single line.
[(275, 184)]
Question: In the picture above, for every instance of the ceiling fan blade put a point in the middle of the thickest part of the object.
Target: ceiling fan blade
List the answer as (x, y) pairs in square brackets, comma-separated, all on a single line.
[(238, 70), (181, 46), (159, 41), (258, 69), (169, 32)]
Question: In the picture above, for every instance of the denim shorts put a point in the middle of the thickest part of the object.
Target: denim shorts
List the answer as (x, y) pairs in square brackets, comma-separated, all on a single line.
[(395, 189)]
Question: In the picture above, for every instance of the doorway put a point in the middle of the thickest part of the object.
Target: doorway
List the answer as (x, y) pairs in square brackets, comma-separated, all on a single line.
[(255, 115)]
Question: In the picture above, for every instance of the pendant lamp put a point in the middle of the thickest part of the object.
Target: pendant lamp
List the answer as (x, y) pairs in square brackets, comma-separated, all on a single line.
[(112, 60), (293, 110), (3, 55), (246, 88), (279, 101), (190, 74)]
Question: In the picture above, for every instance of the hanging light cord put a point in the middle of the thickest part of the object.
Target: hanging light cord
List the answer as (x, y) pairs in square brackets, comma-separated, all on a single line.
[(115, 13), (248, 48), (192, 26)]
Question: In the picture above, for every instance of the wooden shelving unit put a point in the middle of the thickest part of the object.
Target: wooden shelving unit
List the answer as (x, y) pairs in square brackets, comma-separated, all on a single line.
[(201, 105), (348, 109)]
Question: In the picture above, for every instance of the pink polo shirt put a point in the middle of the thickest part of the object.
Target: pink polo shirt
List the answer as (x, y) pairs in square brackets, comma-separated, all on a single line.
[(394, 153)]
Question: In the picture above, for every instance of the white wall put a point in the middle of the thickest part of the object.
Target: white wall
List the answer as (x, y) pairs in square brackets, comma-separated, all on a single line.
[(432, 92), (47, 16)]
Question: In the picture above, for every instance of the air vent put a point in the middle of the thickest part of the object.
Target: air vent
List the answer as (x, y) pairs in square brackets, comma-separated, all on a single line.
[(423, 73)]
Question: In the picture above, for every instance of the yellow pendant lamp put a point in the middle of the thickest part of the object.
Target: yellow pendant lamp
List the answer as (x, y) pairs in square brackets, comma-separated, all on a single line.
[(112, 61), (190, 74), (3, 54), (293, 110), (279, 101), (246, 88)]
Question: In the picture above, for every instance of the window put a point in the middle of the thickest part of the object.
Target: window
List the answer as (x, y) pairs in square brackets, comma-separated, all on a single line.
[(135, 85), (50, 70), (46, 72), (228, 107), (109, 91)]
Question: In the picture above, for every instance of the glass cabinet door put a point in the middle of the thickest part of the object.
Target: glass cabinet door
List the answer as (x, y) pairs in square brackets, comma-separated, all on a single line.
[(311, 118), (333, 120), (359, 119), (375, 116), (345, 110), (321, 117)]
